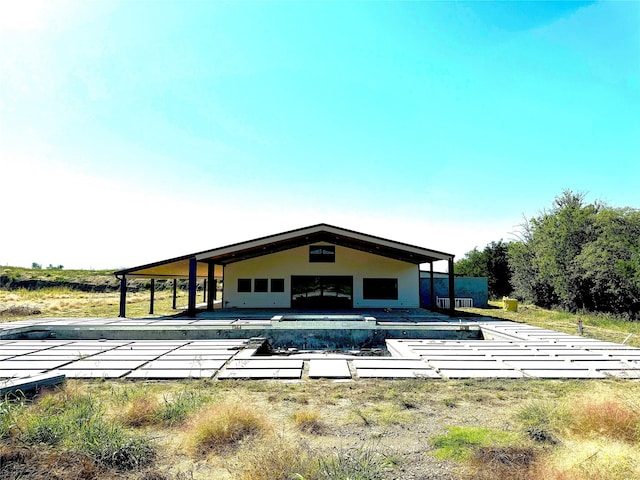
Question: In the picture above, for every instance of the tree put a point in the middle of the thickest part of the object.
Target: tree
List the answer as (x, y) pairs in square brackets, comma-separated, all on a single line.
[(579, 256), (493, 263), (36, 266)]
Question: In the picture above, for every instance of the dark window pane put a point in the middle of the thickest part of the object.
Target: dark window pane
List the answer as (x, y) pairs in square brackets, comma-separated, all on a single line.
[(322, 253), (380, 288), (260, 285), (277, 284), (244, 285)]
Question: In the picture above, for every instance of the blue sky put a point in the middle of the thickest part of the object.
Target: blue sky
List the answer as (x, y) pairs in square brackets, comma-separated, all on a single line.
[(136, 131)]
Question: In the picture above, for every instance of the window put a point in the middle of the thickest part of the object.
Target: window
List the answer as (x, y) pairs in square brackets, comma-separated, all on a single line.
[(277, 284), (380, 288), (322, 253), (261, 285), (244, 285)]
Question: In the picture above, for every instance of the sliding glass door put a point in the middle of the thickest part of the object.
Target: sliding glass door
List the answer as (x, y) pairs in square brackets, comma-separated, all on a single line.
[(322, 292)]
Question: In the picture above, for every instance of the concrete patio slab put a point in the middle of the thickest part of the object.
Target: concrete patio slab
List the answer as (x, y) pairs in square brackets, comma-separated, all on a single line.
[(468, 373), (171, 374), (397, 373), (19, 373), (262, 373), (192, 364), (329, 369), (266, 363)]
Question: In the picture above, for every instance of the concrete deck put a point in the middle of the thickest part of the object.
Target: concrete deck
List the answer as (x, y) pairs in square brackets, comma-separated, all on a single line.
[(509, 350)]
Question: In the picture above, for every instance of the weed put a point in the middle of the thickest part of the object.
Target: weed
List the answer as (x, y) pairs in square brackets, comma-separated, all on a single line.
[(141, 411), (459, 442), (10, 408), (542, 421), (109, 445), (610, 418), (224, 425), (362, 463), (175, 410), (308, 420), (512, 462), (80, 427), (276, 458)]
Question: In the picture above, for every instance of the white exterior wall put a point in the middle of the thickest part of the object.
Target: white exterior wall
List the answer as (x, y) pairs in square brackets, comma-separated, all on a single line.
[(350, 262)]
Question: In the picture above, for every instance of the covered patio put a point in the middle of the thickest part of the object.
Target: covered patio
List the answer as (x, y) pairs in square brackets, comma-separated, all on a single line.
[(208, 267)]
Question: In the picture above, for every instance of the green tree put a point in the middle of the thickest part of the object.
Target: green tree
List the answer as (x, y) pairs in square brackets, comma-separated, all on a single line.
[(493, 263), (579, 256)]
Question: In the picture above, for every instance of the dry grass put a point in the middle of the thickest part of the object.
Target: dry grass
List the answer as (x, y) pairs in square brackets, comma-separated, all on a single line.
[(141, 411), (609, 418), (511, 462), (220, 427), (275, 457), (63, 302), (308, 420)]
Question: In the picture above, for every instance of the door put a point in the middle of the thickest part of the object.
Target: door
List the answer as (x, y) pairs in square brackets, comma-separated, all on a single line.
[(321, 292)]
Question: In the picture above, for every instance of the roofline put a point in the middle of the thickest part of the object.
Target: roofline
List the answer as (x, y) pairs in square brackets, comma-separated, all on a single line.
[(338, 230), (202, 255)]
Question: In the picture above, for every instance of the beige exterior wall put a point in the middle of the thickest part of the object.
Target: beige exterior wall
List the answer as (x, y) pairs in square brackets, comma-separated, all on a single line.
[(296, 262)]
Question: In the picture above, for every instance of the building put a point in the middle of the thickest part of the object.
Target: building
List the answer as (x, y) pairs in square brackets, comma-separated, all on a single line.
[(319, 267)]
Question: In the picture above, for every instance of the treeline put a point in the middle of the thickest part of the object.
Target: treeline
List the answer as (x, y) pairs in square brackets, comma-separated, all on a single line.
[(573, 256)]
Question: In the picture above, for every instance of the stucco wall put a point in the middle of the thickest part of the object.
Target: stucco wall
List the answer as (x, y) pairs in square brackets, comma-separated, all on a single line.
[(296, 262), (464, 287)]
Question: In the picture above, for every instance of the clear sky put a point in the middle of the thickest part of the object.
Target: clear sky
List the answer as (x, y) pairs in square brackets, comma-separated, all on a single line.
[(135, 131)]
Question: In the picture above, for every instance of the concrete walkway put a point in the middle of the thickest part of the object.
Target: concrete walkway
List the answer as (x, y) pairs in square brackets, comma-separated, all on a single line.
[(510, 350)]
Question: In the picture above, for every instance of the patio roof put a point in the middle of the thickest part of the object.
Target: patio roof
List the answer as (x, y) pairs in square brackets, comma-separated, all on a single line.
[(179, 267)]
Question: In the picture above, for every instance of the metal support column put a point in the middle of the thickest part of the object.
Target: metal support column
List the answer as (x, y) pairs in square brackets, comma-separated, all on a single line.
[(212, 287), (123, 297), (204, 291), (152, 295), (175, 289), (432, 292), (452, 286), (193, 278)]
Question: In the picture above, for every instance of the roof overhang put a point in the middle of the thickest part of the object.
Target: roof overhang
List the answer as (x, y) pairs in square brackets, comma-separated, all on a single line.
[(179, 267)]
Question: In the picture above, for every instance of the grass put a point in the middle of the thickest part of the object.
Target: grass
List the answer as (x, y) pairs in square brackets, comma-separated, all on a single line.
[(358, 463), (599, 326), (223, 426), (459, 442), (308, 420), (78, 424), (255, 430)]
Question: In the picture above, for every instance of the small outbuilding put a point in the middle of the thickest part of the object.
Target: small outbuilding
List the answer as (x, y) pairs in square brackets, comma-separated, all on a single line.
[(319, 267)]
